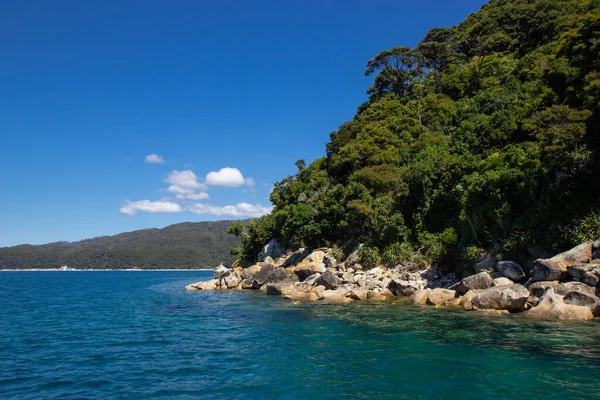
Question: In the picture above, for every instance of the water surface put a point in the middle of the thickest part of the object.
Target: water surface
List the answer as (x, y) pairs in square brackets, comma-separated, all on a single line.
[(140, 335)]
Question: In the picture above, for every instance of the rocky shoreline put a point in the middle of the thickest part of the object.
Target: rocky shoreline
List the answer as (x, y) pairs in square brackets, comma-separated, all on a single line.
[(564, 287)]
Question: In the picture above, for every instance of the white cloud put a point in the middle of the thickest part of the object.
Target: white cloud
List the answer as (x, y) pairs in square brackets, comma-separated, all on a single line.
[(192, 196), (230, 177), (133, 207), (249, 182), (184, 182), (154, 159), (240, 210)]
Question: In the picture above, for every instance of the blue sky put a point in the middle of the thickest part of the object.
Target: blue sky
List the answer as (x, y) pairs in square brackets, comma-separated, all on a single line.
[(239, 89)]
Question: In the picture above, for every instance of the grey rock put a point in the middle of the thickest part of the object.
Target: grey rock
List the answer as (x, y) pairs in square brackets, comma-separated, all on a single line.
[(511, 270), (587, 273), (403, 288), (222, 271), (539, 288), (548, 270), (488, 264), (564, 288), (577, 255), (329, 280), (508, 297), (313, 279), (482, 280), (347, 277), (441, 297), (248, 273), (502, 281), (296, 257), (585, 300), (273, 250), (419, 297)]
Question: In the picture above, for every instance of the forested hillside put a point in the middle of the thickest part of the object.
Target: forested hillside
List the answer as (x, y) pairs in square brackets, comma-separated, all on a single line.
[(485, 135), (187, 245)]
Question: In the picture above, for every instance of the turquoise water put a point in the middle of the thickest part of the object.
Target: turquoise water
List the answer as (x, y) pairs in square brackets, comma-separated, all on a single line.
[(140, 335)]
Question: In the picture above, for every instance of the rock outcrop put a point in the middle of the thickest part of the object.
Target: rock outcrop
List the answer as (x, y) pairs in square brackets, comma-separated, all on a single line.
[(561, 287)]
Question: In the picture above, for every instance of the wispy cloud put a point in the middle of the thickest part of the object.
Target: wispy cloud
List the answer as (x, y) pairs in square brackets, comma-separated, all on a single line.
[(193, 196), (154, 159), (131, 208)]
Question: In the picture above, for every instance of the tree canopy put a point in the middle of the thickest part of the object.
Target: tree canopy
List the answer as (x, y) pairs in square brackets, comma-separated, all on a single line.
[(485, 134)]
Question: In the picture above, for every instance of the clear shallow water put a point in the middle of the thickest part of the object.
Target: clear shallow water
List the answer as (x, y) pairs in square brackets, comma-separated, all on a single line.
[(140, 335)]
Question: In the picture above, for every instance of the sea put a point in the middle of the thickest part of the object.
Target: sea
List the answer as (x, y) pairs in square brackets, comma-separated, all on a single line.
[(141, 335)]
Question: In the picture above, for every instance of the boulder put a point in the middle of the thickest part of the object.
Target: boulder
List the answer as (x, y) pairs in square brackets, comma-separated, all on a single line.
[(260, 278), (248, 273), (329, 280), (511, 270), (586, 273), (555, 268), (358, 294), (353, 257), (296, 257), (585, 300), (538, 289), (508, 297), (222, 271), (403, 288), (488, 264), (312, 264), (552, 306), (337, 296), (467, 300), (482, 280), (375, 273), (204, 285), (272, 250), (564, 288), (231, 281), (313, 279), (247, 284), (441, 297), (420, 296), (577, 255), (360, 280), (347, 277), (502, 281), (548, 270)]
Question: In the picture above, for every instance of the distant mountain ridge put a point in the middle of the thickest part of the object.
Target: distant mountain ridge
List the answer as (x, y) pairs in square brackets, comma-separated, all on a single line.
[(186, 245)]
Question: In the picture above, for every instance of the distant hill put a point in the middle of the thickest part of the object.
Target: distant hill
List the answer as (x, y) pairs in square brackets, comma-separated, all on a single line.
[(186, 245)]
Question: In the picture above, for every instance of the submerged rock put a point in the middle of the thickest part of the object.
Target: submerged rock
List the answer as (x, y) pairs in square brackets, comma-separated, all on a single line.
[(508, 297)]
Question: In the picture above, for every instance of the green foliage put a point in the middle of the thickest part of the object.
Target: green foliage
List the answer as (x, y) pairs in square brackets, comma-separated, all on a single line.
[(369, 256), (587, 229), (485, 133), (471, 255), (397, 253), (336, 253)]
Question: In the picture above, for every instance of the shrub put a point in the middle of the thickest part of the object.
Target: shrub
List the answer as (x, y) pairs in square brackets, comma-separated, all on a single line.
[(397, 253), (471, 255), (369, 256), (586, 229), (336, 253)]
